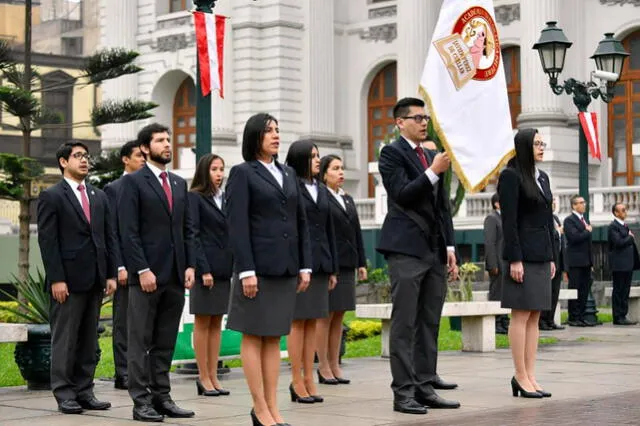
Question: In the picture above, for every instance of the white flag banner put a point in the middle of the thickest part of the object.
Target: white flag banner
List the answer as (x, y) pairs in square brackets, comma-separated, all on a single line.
[(464, 86)]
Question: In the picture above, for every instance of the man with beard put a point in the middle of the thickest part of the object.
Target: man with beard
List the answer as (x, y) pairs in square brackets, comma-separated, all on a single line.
[(79, 252), (157, 238), (133, 160)]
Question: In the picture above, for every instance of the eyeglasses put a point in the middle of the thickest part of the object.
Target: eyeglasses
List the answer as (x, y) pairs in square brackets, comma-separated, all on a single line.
[(418, 117), (539, 144), (82, 155)]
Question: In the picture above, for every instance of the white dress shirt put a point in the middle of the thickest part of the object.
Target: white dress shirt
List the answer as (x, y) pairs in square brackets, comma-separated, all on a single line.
[(433, 178), (338, 196), (74, 186), (537, 175), (217, 198), (274, 170), (313, 190), (621, 222)]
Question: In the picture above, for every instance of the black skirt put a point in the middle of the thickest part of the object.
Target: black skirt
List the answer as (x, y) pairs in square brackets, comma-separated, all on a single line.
[(343, 297), (313, 303), (534, 293), (213, 301)]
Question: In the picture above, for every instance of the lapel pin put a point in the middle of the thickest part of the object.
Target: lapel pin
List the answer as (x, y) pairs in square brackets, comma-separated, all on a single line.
[(93, 193)]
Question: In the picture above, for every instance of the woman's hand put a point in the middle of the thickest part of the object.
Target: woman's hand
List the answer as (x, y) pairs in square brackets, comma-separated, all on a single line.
[(250, 286), (517, 272), (553, 269), (207, 280), (362, 274), (304, 279), (333, 280)]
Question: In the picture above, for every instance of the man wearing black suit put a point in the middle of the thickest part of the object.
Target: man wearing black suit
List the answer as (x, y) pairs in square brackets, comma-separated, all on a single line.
[(133, 159), (418, 242), (547, 321), (79, 250), (623, 260), (493, 244), (579, 260), (155, 224)]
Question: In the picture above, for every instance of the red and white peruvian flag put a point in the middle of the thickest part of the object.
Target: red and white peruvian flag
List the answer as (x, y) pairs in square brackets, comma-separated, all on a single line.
[(210, 43), (589, 123)]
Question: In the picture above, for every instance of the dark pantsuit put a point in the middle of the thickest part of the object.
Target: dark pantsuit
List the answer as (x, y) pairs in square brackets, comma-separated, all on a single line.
[(579, 279), (153, 329), (495, 287), (548, 316), (418, 290), (74, 344), (620, 296), (120, 308)]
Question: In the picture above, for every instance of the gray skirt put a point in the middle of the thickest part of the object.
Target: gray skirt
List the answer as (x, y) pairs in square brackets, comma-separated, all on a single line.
[(214, 301), (534, 293), (343, 297), (313, 303), (270, 313)]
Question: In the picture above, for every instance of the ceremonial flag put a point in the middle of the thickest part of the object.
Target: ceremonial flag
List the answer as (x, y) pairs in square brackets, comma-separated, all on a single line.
[(210, 44), (589, 123), (464, 86)]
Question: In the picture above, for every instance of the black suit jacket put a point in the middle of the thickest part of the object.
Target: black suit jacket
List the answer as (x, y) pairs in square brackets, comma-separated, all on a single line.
[(527, 223), (409, 188), (623, 253), (267, 223), (493, 241), (561, 244), (213, 251), (321, 230), (112, 190), (73, 251), (578, 253), (152, 236), (348, 233)]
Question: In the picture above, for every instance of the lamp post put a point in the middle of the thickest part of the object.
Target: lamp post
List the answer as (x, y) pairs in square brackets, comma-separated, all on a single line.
[(203, 103), (609, 58)]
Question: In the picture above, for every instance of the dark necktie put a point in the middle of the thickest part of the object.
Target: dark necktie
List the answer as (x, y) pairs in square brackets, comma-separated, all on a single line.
[(422, 157), (167, 190), (584, 222), (85, 202)]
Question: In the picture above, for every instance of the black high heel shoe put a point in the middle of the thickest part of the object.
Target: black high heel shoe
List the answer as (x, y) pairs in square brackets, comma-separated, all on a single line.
[(516, 388), (544, 393), (203, 391), (256, 421), (324, 381), (343, 381), (317, 398), (300, 399), (222, 392)]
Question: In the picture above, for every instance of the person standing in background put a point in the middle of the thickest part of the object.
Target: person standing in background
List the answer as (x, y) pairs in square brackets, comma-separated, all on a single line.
[(493, 247), (547, 321)]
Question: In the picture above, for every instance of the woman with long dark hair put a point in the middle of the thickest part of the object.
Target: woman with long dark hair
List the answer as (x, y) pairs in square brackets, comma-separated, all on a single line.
[(529, 254), (270, 240), (351, 256), (304, 158), (209, 297)]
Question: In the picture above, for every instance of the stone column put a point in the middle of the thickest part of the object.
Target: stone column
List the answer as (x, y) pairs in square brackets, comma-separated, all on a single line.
[(119, 29), (416, 21), (540, 106)]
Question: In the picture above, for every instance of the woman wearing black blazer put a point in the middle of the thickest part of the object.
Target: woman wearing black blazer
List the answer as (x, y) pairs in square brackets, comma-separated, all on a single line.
[(529, 253), (209, 297), (272, 259), (304, 158), (351, 255)]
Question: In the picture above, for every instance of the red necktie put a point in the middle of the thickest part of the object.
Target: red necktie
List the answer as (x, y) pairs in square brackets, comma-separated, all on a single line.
[(422, 157), (167, 190), (584, 222), (85, 202)]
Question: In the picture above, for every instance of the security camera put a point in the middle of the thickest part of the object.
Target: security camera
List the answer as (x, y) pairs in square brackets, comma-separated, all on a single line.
[(604, 75)]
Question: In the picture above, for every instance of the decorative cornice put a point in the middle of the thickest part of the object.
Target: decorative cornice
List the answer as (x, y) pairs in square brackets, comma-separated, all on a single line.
[(386, 33), (508, 13), (620, 2), (383, 12), (265, 25)]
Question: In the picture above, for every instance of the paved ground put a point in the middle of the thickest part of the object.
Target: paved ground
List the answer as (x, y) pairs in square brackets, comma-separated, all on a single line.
[(593, 373)]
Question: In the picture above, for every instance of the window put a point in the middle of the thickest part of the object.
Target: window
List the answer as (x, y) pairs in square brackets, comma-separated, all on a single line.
[(624, 118), (60, 101), (184, 125), (511, 58), (380, 123), (178, 5)]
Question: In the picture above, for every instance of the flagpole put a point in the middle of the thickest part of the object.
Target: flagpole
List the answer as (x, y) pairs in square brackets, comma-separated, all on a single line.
[(203, 103)]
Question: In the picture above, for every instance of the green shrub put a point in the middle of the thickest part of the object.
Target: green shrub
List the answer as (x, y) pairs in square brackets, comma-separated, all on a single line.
[(6, 315), (363, 329)]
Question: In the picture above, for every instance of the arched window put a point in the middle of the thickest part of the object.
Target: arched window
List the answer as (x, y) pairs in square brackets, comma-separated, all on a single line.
[(380, 102), (59, 100), (184, 125), (624, 117), (178, 5), (511, 58)]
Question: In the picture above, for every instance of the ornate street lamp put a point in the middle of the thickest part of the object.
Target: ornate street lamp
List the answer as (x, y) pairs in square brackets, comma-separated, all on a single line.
[(203, 103), (609, 57)]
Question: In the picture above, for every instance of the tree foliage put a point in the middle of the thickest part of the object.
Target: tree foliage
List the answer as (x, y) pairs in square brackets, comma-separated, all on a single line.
[(14, 172), (106, 168)]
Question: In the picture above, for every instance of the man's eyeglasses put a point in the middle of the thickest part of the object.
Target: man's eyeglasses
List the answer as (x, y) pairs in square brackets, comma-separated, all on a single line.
[(539, 144), (81, 155), (418, 117)]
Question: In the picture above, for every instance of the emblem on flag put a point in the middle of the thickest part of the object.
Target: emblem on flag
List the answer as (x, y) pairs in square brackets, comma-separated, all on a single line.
[(210, 43)]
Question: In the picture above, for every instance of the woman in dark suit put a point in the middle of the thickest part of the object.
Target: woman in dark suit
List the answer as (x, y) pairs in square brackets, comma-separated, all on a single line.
[(272, 259), (351, 255), (209, 298), (529, 254), (304, 158)]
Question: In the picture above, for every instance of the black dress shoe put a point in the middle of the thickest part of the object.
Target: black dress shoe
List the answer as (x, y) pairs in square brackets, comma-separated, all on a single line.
[(92, 403), (589, 323), (544, 393), (343, 381), (544, 326), (576, 323), (517, 389), (324, 381), (438, 383), (409, 406), (624, 321), (121, 383), (557, 327), (317, 398), (146, 413), (204, 391), (223, 392), (69, 406), (435, 401), (300, 399), (170, 409)]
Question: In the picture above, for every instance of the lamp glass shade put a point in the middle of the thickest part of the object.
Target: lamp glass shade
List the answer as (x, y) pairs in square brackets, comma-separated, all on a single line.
[(610, 55), (552, 48)]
